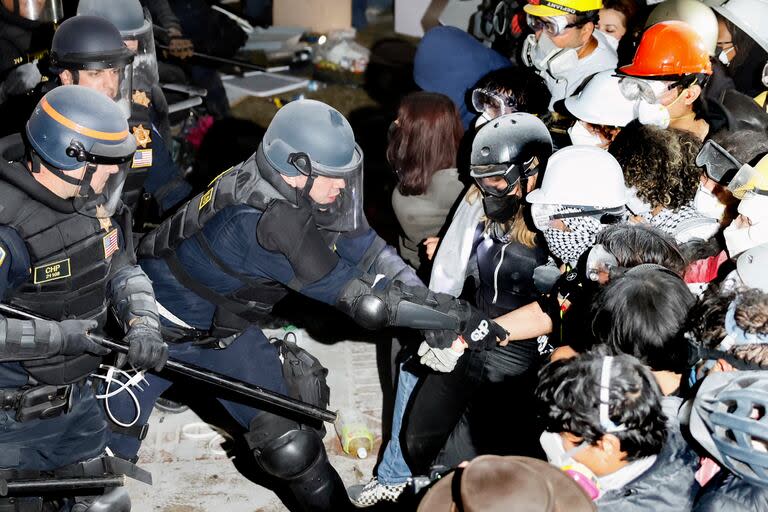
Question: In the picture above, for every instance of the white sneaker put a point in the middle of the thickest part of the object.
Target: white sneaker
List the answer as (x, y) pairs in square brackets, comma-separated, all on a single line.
[(374, 492)]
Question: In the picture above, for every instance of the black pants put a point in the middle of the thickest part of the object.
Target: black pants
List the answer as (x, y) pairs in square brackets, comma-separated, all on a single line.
[(486, 405)]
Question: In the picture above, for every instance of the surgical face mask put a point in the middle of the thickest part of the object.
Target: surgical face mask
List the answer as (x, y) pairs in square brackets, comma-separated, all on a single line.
[(707, 204), (544, 55), (580, 136), (723, 56)]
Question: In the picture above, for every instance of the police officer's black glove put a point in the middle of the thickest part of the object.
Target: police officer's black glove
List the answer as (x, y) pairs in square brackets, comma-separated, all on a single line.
[(479, 331), (439, 338), (146, 348), (75, 340)]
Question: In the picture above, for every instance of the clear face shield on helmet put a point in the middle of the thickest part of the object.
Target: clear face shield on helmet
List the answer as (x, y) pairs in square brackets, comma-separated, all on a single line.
[(101, 185), (110, 76), (43, 11), (142, 43), (335, 193)]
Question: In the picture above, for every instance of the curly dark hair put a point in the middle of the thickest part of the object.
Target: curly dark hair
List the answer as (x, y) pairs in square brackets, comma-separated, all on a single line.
[(569, 394), (706, 321), (659, 163)]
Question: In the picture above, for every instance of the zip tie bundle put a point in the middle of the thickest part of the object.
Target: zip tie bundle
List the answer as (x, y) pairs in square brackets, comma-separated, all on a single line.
[(115, 375)]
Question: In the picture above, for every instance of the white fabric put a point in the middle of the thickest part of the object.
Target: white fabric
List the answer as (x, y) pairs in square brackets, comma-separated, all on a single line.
[(449, 267), (602, 58)]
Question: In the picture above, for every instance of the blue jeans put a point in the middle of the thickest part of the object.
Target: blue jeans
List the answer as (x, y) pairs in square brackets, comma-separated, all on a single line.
[(392, 468)]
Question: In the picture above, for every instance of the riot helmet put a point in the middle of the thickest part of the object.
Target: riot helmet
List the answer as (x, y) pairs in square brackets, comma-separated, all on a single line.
[(135, 26), (74, 128), (41, 11), (507, 151), (92, 51), (308, 138)]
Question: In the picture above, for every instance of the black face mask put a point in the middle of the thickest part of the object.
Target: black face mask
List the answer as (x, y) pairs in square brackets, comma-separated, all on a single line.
[(501, 209)]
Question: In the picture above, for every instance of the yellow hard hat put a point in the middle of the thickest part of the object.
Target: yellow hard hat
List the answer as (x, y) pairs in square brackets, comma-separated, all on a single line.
[(750, 178), (549, 8)]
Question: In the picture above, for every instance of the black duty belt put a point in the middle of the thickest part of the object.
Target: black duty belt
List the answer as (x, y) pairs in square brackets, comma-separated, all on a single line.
[(38, 402)]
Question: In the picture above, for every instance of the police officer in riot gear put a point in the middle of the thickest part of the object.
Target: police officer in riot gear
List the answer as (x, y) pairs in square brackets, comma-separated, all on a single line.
[(65, 254), (288, 218), (135, 25), (89, 51)]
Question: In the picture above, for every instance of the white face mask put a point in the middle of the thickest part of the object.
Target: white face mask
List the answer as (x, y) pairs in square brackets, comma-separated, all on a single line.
[(654, 114), (636, 205), (707, 204), (544, 55), (742, 237), (581, 136), (480, 121), (723, 56)]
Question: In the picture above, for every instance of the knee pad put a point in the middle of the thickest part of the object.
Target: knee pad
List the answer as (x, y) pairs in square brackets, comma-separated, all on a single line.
[(291, 454)]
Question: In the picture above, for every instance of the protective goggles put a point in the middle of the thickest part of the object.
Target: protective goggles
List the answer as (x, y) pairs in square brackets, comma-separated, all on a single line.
[(553, 26), (600, 260), (498, 180), (545, 216), (765, 74), (649, 91), (719, 164), (492, 103)]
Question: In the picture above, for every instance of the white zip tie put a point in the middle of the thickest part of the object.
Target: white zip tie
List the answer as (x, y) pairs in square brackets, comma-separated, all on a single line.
[(131, 381)]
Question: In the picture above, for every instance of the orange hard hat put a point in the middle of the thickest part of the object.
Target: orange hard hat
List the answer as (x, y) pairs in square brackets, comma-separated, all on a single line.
[(669, 48)]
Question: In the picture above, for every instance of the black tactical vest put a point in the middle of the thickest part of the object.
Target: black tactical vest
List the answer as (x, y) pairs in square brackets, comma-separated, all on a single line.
[(71, 258), (241, 185)]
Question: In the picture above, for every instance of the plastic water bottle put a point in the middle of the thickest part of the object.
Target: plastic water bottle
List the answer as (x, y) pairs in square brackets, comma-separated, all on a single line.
[(356, 439)]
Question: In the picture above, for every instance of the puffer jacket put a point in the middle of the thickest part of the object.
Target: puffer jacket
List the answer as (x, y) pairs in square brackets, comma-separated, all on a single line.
[(726, 491), (667, 486)]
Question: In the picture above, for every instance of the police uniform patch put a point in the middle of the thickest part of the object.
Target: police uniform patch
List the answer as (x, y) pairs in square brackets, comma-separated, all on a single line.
[(205, 198), (142, 135), (111, 243), (142, 158), (2, 256), (52, 271)]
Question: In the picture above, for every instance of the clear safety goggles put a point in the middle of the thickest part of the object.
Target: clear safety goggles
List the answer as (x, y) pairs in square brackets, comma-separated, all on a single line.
[(498, 180), (492, 103), (553, 26), (546, 216), (600, 260), (649, 91)]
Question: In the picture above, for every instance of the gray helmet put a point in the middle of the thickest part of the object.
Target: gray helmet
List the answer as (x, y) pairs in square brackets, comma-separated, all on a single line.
[(729, 420), (73, 126), (126, 15), (312, 139), (512, 146)]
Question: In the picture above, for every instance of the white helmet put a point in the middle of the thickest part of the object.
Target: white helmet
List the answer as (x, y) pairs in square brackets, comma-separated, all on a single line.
[(581, 176), (751, 16), (601, 102), (699, 16), (751, 267)]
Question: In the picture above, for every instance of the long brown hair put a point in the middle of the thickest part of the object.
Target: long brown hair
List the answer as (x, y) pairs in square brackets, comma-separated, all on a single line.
[(425, 140)]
